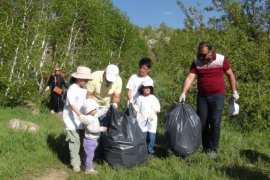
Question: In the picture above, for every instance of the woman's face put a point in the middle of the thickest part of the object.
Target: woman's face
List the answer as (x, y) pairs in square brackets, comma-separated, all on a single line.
[(82, 82), (146, 91), (57, 71)]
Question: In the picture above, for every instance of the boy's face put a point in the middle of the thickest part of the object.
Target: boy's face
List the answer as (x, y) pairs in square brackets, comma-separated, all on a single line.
[(143, 70), (146, 91)]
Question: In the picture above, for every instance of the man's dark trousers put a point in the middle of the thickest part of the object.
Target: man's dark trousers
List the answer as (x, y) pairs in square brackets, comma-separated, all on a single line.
[(210, 111)]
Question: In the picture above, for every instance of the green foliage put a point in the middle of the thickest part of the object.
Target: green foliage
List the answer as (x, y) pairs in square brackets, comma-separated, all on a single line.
[(37, 35)]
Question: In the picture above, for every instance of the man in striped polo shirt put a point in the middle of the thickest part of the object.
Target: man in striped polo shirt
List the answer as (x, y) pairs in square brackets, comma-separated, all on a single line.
[(210, 69)]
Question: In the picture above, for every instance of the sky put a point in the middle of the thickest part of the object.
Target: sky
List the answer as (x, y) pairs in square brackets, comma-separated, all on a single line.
[(153, 12)]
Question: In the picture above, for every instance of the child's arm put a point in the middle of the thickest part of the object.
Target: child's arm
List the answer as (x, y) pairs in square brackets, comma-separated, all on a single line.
[(156, 105), (94, 128), (103, 110)]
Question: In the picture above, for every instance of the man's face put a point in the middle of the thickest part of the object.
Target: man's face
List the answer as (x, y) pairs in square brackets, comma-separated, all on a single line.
[(106, 82), (204, 54), (143, 70)]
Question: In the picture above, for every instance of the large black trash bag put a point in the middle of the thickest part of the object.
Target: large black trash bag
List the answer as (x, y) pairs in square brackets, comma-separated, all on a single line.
[(183, 130), (123, 144)]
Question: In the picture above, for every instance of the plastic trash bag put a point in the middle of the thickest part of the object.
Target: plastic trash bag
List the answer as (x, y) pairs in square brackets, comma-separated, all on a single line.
[(233, 108), (124, 143), (183, 130)]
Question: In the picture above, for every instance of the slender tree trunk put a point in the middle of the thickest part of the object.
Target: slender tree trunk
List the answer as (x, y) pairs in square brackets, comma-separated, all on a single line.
[(123, 41)]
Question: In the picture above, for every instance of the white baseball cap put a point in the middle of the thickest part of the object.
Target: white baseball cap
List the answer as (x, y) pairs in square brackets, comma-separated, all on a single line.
[(89, 105), (148, 83), (112, 73)]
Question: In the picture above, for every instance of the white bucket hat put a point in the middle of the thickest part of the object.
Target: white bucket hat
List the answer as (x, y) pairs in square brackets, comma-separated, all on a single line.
[(89, 105), (233, 108), (148, 83), (112, 73), (82, 73)]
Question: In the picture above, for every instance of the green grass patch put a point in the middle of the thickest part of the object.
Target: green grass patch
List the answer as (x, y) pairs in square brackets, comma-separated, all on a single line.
[(242, 155)]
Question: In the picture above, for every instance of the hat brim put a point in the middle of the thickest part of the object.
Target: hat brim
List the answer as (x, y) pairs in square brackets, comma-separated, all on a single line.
[(81, 76)]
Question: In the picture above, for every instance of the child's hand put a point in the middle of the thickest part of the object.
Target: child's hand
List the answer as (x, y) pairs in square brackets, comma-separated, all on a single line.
[(84, 119), (103, 129)]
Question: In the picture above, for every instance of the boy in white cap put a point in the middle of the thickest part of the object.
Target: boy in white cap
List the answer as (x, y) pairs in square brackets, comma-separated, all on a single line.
[(148, 106), (106, 86), (76, 95), (92, 131)]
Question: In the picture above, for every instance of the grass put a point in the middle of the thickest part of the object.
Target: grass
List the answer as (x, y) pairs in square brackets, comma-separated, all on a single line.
[(243, 155)]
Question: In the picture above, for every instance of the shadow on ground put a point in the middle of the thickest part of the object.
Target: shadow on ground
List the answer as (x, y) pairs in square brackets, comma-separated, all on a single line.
[(253, 156), (161, 146), (59, 146), (241, 172)]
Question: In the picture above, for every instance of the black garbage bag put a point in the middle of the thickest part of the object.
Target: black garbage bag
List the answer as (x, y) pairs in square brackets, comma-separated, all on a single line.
[(183, 130), (123, 144)]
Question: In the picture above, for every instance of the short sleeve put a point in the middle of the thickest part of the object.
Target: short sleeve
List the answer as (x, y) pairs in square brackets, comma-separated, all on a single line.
[(118, 88), (91, 86), (192, 68), (226, 64), (130, 83), (71, 96), (156, 104)]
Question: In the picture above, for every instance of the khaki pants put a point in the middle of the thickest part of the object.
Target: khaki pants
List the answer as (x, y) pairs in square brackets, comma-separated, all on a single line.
[(75, 144)]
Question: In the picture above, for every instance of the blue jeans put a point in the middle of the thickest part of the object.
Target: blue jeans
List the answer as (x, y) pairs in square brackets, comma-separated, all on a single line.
[(210, 111), (150, 141)]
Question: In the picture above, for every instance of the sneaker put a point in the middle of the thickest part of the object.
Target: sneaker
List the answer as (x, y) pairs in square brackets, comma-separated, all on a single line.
[(52, 111), (90, 171), (76, 169), (150, 156), (212, 154)]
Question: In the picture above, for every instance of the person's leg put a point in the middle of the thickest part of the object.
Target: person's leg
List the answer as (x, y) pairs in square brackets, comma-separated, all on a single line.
[(73, 140), (82, 152), (202, 110), (216, 106), (89, 148), (151, 134)]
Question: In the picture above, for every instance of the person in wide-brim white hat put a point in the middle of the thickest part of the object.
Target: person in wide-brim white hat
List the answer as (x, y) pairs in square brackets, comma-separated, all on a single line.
[(73, 118), (82, 73)]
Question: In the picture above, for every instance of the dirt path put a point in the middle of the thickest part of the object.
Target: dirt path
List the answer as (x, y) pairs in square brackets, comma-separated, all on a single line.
[(53, 174)]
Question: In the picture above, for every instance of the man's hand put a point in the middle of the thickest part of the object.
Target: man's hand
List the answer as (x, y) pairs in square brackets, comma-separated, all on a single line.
[(47, 89), (103, 129), (235, 95), (84, 119), (182, 97), (115, 105)]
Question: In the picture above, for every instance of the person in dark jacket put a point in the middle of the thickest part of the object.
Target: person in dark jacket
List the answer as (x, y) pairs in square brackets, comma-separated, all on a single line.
[(56, 80)]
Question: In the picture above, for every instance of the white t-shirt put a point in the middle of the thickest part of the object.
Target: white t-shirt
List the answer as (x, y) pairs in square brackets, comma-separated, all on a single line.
[(134, 84), (147, 105), (75, 96)]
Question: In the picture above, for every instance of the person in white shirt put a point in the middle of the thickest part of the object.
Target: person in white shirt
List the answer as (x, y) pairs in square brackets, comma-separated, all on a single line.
[(92, 131), (148, 106), (73, 118), (135, 81)]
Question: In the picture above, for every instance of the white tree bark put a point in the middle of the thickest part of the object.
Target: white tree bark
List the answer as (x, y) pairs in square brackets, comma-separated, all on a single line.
[(123, 41)]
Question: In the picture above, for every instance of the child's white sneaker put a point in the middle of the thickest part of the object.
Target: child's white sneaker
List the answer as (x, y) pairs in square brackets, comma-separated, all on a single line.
[(52, 111), (91, 171), (76, 169)]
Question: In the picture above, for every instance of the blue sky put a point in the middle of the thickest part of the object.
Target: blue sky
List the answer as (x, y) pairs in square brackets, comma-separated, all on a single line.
[(154, 12)]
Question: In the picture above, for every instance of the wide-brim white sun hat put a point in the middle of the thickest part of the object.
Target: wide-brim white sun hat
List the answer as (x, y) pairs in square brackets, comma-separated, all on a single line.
[(148, 83), (233, 108), (89, 105), (112, 73), (82, 73)]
